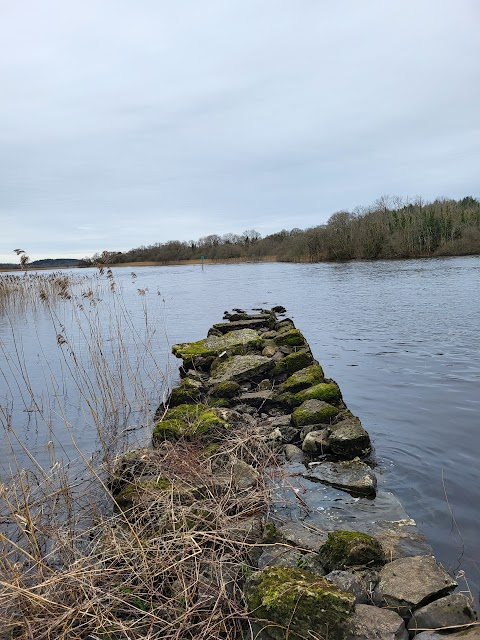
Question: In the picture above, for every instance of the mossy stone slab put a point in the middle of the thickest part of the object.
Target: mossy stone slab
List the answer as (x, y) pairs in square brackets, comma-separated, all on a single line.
[(314, 412), (238, 368), (231, 342), (300, 601), (255, 322), (303, 378), (326, 391)]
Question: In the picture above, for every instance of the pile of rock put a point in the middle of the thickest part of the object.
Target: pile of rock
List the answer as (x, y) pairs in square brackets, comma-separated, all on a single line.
[(343, 569)]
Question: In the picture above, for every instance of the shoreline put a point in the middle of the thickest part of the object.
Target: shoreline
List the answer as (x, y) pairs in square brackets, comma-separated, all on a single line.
[(214, 261)]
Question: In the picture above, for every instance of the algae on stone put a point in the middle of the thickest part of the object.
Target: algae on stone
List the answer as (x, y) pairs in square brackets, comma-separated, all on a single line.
[(304, 378), (298, 602), (344, 549), (314, 412)]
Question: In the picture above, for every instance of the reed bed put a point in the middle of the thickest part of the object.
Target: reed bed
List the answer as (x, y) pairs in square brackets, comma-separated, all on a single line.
[(74, 562)]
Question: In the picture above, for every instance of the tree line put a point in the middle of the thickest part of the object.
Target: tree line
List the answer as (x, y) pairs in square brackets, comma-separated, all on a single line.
[(390, 228)]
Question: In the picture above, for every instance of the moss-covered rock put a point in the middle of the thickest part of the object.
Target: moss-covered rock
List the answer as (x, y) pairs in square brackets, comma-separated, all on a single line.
[(233, 342), (298, 601), (290, 338), (293, 362), (188, 391), (189, 420), (327, 391), (344, 549), (304, 378), (227, 389), (314, 412)]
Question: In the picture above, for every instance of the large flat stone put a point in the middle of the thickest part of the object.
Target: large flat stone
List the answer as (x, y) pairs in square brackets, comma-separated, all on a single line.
[(238, 368), (372, 623), (253, 322), (449, 612), (349, 475), (407, 583), (231, 342)]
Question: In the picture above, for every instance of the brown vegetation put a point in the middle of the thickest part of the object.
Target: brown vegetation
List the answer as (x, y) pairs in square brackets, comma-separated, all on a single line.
[(390, 228)]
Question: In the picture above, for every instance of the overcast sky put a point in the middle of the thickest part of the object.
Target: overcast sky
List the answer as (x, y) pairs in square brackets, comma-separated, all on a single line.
[(127, 123)]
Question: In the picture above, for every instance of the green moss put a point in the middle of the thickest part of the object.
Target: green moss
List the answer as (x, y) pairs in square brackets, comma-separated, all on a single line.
[(293, 362), (314, 412), (189, 420), (233, 342), (189, 391), (207, 422), (304, 378), (220, 402), (186, 412), (329, 392), (290, 338), (227, 389), (168, 429), (350, 549), (298, 599)]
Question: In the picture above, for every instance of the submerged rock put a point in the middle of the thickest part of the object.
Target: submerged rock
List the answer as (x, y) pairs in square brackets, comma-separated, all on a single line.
[(407, 583), (349, 475), (299, 601)]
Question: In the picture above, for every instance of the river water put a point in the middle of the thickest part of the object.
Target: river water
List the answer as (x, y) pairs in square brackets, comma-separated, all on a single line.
[(401, 338)]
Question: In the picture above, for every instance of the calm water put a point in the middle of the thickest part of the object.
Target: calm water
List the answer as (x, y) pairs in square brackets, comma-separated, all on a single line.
[(401, 338)]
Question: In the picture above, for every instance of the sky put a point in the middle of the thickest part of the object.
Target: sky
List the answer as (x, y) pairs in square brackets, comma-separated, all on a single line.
[(126, 123)]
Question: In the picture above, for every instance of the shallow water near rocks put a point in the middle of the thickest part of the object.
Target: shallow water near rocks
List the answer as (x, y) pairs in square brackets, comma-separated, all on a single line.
[(401, 339)]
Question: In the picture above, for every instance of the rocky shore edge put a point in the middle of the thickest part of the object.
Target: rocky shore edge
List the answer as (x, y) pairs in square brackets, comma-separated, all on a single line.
[(311, 545)]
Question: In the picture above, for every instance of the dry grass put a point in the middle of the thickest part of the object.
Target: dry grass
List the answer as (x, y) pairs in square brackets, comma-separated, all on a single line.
[(170, 565), (73, 564)]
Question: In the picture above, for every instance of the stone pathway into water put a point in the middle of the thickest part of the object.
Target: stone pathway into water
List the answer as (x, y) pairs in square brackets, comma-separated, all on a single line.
[(336, 555)]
